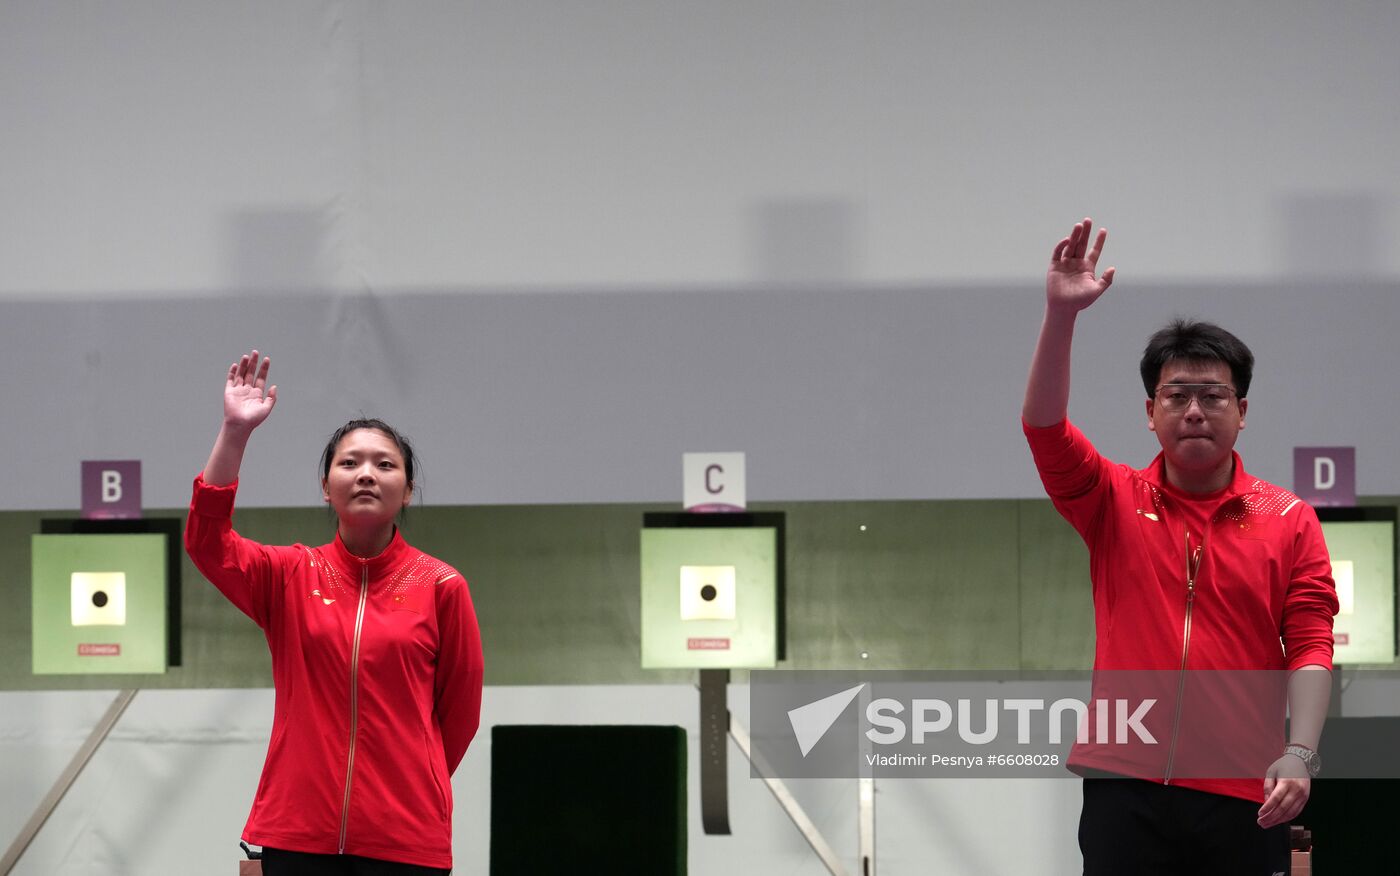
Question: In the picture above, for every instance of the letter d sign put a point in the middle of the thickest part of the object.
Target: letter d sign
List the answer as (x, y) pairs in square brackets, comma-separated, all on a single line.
[(111, 489), (1325, 475)]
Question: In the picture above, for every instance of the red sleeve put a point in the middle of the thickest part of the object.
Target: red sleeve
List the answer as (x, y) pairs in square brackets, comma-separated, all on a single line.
[(1074, 474), (460, 669), (244, 571), (1311, 602)]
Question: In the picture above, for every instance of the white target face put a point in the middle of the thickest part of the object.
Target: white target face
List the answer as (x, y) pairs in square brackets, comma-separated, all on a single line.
[(707, 592), (99, 599)]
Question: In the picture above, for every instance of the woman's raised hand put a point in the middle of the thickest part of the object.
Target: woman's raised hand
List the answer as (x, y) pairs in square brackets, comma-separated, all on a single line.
[(247, 397)]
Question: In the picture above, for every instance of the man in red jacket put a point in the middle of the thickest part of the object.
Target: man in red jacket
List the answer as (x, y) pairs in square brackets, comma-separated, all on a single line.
[(1196, 565)]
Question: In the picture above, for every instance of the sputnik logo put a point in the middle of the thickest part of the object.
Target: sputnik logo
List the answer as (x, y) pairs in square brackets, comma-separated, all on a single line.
[(810, 722)]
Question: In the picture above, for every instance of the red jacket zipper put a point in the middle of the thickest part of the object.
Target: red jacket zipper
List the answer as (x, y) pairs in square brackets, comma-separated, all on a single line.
[(354, 702), (1193, 566)]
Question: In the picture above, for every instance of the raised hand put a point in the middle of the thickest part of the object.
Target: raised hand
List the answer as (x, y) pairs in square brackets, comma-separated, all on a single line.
[(1070, 283), (1070, 286), (247, 398)]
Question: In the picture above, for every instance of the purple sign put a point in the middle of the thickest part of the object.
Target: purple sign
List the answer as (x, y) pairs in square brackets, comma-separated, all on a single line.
[(111, 489), (1325, 475)]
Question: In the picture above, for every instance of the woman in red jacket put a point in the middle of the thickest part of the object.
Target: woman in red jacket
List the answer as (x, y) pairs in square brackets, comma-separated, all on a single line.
[(376, 655)]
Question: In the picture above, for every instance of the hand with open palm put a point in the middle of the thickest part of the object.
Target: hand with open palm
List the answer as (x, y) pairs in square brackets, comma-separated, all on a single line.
[(247, 398), (1070, 283)]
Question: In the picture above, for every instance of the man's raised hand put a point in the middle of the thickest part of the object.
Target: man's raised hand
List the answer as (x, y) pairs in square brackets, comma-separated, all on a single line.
[(247, 398), (1070, 283)]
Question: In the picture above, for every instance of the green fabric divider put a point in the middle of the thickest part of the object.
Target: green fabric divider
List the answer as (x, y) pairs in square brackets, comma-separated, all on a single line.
[(956, 584)]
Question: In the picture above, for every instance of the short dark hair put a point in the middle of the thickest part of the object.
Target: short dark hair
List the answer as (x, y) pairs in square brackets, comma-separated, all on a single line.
[(410, 459), (1200, 342)]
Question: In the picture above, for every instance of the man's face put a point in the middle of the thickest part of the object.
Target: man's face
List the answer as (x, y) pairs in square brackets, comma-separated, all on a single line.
[(1195, 439)]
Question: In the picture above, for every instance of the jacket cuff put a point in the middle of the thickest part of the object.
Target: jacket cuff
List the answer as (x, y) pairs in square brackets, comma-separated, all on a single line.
[(1320, 655), (1051, 437), (211, 500)]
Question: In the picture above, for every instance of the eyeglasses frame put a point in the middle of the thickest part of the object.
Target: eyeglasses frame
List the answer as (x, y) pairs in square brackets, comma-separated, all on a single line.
[(1230, 392)]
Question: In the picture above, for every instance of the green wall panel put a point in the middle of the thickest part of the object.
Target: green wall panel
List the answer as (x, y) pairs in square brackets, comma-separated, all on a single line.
[(998, 584), (925, 584), (1057, 612)]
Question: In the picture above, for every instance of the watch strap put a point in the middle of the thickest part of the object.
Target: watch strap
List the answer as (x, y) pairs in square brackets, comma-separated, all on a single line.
[(1310, 758)]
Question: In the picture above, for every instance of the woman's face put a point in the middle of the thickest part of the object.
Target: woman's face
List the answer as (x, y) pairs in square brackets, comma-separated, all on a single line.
[(367, 482)]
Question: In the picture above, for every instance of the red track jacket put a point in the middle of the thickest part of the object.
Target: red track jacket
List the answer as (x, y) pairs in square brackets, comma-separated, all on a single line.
[(1261, 598), (377, 667)]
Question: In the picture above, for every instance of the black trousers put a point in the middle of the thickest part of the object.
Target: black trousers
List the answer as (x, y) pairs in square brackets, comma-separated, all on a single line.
[(1135, 828), (277, 862)]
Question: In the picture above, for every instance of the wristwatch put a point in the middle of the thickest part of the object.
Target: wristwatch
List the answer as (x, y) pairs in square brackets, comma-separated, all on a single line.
[(1310, 758)]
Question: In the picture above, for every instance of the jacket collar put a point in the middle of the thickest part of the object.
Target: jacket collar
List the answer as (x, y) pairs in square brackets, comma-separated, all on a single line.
[(387, 560), (1241, 483)]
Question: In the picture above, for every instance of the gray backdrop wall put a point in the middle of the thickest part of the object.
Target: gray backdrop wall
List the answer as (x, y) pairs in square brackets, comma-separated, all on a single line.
[(564, 243)]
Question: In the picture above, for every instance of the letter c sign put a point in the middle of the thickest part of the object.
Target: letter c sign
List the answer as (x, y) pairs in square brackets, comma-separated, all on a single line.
[(711, 470), (713, 481)]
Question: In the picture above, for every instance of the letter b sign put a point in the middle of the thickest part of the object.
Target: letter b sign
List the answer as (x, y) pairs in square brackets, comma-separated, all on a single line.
[(111, 486), (111, 489)]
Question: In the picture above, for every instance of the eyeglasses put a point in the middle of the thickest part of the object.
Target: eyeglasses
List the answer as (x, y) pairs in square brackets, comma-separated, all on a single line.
[(1212, 397)]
